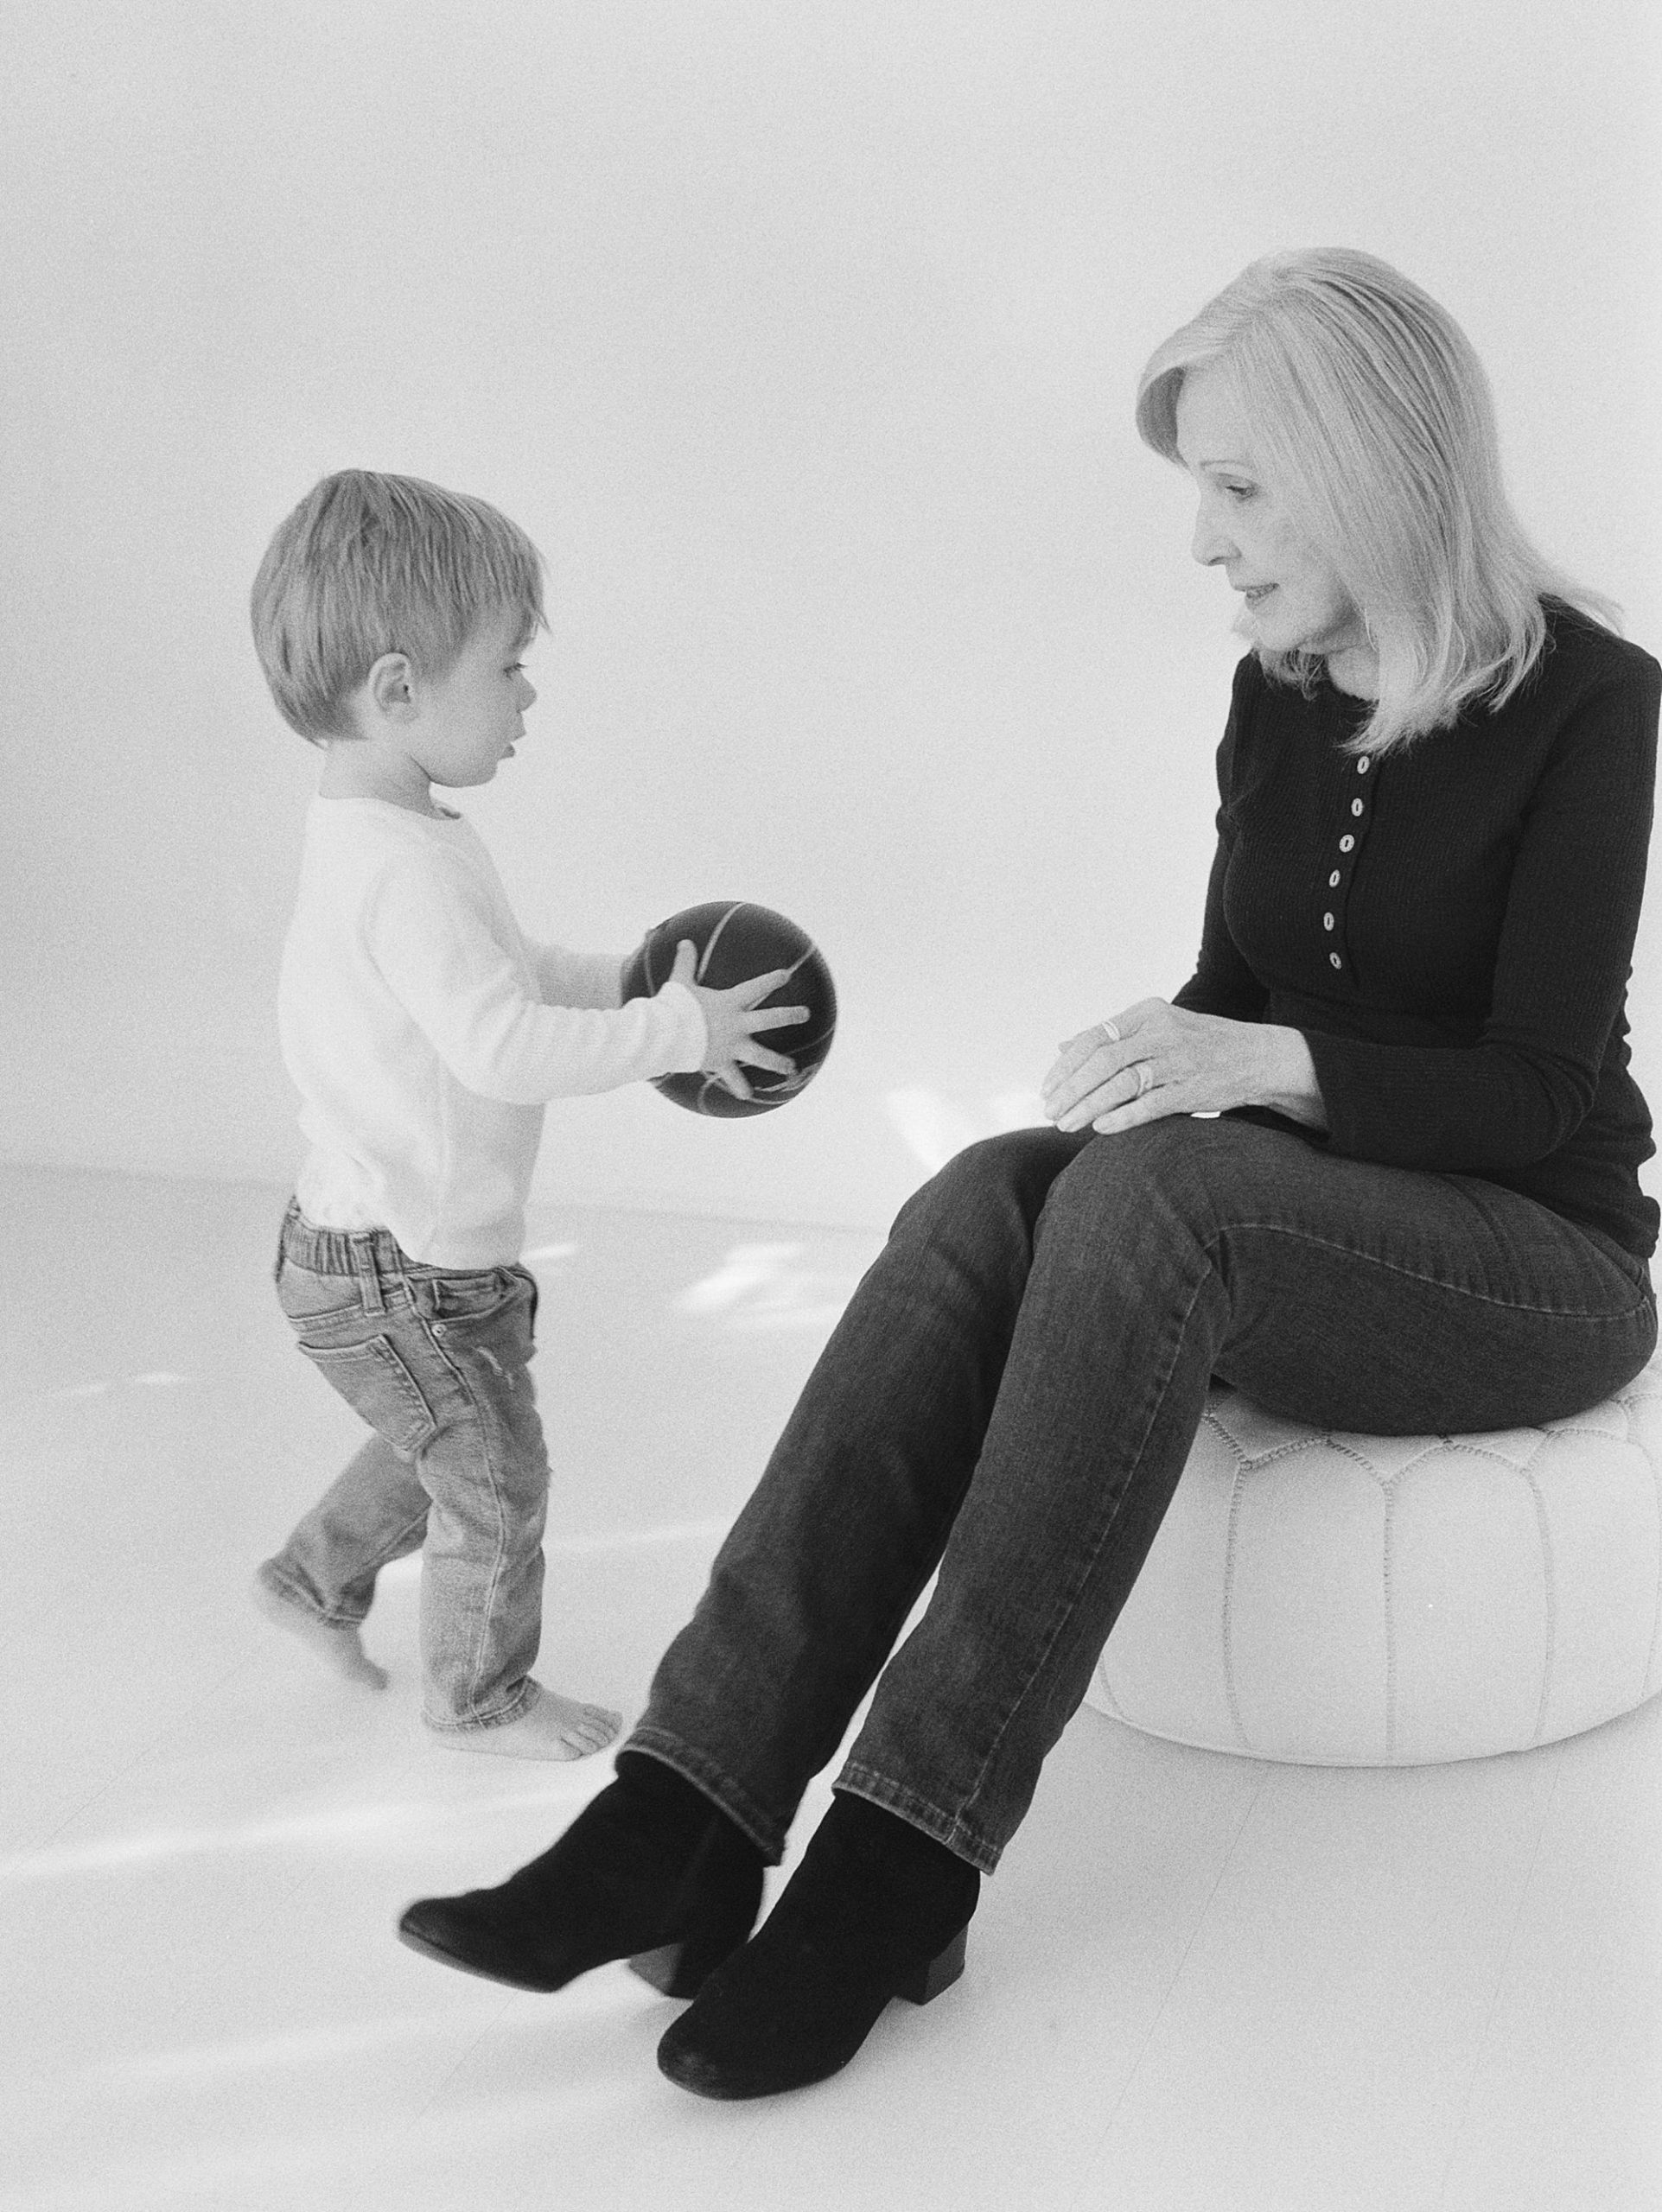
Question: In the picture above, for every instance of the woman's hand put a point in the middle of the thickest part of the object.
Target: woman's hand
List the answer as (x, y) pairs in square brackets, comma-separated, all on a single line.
[(1156, 1060), (732, 1024)]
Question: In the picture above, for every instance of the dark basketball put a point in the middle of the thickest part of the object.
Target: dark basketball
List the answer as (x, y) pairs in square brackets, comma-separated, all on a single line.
[(736, 941)]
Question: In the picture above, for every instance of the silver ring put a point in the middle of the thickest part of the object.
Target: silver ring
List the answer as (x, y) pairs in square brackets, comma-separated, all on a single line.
[(1144, 1077), (1109, 1034)]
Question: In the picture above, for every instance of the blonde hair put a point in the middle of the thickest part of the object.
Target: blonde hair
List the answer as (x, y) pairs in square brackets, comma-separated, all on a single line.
[(1370, 414), (369, 564)]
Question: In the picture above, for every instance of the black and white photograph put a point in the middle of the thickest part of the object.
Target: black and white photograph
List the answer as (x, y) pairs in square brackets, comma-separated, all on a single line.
[(828, 1191)]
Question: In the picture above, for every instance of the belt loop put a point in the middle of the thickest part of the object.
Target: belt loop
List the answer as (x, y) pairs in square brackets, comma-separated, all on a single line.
[(369, 1275)]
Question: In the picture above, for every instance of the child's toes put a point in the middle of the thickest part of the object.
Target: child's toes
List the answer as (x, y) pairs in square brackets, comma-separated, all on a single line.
[(550, 1728), (339, 1647)]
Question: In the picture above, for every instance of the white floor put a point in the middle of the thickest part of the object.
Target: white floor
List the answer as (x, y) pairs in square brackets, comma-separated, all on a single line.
[(1197, 1982)]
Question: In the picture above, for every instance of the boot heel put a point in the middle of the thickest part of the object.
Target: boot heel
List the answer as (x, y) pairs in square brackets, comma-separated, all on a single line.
[(681, 1968), (662, 1968), (937, 1973)]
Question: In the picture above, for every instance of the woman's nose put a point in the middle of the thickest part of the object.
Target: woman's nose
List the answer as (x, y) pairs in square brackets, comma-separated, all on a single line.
[(1210, 543)]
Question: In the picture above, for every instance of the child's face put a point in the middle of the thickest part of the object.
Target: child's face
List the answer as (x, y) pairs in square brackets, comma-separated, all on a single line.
[(469, 719)]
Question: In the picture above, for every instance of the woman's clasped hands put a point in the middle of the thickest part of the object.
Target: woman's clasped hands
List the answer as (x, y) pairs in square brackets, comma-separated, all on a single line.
[(1156, 1059)]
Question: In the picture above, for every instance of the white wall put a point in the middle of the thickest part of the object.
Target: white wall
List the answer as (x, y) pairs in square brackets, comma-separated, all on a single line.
[(801, 337)]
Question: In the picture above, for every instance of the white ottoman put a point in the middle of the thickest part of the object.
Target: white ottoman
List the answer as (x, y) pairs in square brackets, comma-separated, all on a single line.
[(1355, 1600)]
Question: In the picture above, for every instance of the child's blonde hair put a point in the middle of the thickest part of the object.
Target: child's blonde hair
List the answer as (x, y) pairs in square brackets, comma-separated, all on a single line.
[(1371, 412), (369, 564)]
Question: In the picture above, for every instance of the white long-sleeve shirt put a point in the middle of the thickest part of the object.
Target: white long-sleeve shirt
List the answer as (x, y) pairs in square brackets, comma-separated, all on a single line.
[(424, 1032)]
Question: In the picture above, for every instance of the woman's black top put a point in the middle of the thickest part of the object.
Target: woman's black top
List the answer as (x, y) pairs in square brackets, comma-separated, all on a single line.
[(1452, 927)]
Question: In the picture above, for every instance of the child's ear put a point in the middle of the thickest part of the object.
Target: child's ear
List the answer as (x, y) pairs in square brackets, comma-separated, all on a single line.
[(390, 686)]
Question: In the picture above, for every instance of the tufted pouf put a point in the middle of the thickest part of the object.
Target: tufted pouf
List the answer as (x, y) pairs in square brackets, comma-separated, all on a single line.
[(1352, 1601)]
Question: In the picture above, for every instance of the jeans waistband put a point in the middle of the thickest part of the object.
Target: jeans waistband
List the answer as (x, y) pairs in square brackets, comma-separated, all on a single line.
[(342, 1251)]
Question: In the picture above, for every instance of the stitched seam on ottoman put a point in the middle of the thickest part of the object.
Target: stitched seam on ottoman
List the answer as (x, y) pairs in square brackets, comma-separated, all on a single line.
[(1527, 1471), (1656, 1618), (1387, 1579), (1236, 1495)]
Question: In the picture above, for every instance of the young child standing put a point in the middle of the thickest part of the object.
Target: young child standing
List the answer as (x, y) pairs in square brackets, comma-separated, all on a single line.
[(424, 1033)]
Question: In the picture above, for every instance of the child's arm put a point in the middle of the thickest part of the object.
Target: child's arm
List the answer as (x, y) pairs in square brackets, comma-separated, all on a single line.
[(591, 979), (430, 934), (431, 939), (595, 979)]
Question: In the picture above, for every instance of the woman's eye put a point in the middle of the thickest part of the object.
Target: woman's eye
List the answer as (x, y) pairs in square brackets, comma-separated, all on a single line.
[(1240, 491)]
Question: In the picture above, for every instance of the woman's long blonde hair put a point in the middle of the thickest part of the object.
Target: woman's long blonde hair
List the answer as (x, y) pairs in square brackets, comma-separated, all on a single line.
[(1372, 416)]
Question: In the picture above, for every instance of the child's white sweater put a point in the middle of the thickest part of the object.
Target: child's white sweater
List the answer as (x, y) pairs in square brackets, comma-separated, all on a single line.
[(423, 1033)]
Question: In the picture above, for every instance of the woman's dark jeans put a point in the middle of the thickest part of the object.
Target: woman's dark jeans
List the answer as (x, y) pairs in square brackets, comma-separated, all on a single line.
[(1011, 1396)]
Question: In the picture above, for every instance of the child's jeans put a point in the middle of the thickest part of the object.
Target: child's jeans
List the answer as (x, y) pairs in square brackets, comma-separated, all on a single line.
[(438, 1363)]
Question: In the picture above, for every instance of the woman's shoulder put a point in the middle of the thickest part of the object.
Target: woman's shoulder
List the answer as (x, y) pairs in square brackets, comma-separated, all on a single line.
[(1580, 652)]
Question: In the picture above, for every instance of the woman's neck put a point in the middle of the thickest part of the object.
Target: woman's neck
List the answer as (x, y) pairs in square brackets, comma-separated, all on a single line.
[(1355, 670)]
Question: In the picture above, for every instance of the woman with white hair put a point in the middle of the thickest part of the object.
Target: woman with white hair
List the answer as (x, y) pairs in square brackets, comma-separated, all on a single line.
[(1375, 1164)]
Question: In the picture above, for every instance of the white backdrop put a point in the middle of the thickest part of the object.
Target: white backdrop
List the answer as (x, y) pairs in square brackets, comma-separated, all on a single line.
[(802, 338)]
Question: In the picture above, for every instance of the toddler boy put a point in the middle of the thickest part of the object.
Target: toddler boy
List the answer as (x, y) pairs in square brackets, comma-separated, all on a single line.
[(424, 1033)]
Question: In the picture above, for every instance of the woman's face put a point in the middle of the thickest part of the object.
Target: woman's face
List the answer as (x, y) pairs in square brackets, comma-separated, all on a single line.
[(1292, 597)]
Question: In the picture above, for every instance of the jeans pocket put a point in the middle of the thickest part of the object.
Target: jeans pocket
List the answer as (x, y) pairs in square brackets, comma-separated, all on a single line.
[(375, 1383), (499, 1310), (313, 1301), (472, 1297)]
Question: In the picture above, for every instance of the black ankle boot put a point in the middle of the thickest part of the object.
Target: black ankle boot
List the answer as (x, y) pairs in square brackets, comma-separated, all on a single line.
[(876, 1910), (650, 1867)]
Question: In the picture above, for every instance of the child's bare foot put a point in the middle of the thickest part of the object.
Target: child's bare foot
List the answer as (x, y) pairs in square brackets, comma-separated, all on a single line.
[(342, 1648), (550, 1727)]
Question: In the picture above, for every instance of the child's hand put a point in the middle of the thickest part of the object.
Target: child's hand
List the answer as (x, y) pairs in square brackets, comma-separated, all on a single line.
[(731, 1023)]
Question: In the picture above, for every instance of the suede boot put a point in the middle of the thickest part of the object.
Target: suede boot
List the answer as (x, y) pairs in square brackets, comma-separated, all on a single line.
[(651, 1871), (876, 1910)]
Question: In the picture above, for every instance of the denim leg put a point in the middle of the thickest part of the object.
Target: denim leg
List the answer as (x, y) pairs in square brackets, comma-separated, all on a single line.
[(486, 1472), (373, 1512), (1014, 1392), (438, 1364), (826, 1559), (1334, 1291)]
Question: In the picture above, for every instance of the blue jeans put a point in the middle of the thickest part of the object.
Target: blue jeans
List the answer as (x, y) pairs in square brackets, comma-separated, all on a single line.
[(1011, 1396), (438, 1363)]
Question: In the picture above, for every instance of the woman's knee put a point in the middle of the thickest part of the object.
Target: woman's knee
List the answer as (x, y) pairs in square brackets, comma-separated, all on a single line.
[(1191, 1173), (1000, 1179)]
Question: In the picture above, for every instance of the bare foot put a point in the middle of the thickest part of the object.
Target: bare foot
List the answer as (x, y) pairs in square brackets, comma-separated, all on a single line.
[(342, 1648), (550, 1727)]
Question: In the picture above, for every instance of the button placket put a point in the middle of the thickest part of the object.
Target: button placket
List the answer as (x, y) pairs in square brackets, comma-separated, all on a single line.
[(1336, 879)]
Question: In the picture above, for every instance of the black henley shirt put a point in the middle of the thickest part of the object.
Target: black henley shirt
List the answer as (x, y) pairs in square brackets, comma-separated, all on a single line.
[(1452, 927)]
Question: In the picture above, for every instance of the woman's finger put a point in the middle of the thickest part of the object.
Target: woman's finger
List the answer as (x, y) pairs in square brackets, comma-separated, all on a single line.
[(1105, 1066), (1083, 1084), (1153, 1106), (1122, 1089), (1075, 1052)]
